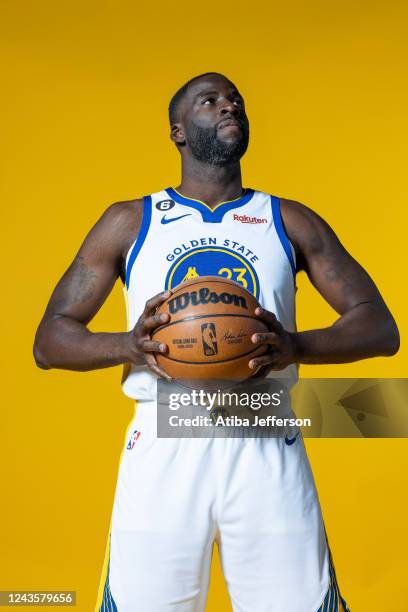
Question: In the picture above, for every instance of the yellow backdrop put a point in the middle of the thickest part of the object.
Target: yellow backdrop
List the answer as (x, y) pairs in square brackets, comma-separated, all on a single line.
[(85, 90)]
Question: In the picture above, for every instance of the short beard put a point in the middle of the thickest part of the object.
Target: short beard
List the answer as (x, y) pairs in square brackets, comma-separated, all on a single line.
[(208, 149)]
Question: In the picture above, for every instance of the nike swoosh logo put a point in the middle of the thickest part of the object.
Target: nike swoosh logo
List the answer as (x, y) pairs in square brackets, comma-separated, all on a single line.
[(164, 221), (290, 441)]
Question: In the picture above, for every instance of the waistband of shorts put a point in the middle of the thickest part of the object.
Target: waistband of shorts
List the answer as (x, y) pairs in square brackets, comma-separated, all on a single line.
[(146, 408)]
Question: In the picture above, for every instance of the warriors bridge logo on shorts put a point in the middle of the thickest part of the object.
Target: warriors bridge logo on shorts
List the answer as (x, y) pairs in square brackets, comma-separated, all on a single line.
[(133, 439)]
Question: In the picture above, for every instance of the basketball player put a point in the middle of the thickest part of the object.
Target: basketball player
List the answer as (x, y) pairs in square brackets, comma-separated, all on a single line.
[(174, 497)]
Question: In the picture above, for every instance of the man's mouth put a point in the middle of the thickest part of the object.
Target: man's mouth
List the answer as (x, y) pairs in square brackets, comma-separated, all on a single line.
[(228, 123)]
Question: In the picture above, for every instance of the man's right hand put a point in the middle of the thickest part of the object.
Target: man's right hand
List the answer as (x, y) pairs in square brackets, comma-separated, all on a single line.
[(141, 345)]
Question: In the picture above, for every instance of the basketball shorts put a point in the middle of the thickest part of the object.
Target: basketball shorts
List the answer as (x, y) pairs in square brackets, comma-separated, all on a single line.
[(254, 497)]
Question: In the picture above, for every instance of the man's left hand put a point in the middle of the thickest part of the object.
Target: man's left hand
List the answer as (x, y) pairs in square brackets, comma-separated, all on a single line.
[(281, 344)]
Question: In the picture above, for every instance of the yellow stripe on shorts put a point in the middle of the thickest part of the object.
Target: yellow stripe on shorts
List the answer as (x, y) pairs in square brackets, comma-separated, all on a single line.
[(333, 602), (104, 601)]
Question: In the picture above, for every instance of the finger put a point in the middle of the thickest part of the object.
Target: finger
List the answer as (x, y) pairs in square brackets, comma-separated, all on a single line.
[(268, 359), (155, 301), (268, 317), (261, 371), (150, 346), (270, 338), (154, 367), (150, 323)]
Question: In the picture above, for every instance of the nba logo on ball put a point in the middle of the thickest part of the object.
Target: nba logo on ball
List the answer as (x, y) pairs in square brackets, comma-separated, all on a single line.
[(209, 338), (133, 439)]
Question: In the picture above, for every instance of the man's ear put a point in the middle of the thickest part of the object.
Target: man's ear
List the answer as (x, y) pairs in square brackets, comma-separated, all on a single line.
[(177, 134)]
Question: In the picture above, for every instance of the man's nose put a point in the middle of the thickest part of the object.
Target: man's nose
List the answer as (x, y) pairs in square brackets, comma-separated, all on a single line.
[(227, 106)]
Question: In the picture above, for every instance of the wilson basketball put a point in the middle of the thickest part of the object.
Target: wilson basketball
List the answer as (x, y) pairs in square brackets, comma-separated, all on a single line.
[(209, 333)]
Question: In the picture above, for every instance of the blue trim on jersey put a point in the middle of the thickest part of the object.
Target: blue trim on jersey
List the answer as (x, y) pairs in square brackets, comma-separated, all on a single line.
[(147, 216), (280, 230), (208, 215)]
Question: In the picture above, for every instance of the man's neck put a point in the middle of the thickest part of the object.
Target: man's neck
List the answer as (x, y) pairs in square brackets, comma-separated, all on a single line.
[(211, 184)]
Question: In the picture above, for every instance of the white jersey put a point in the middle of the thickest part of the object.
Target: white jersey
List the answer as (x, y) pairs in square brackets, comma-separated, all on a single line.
[(172, 499), (181, 238)]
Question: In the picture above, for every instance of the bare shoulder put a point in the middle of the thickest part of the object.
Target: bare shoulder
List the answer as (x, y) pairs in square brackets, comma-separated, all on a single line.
[(120, 222), (122, 214), (297, 215), (306, 229)]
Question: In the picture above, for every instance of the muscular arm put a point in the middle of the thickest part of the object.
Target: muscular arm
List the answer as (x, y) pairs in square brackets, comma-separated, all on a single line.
[(365, 327), (63, 339)]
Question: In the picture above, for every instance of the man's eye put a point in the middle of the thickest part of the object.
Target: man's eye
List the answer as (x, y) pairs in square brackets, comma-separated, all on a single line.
[(210, 100), (238, 101)]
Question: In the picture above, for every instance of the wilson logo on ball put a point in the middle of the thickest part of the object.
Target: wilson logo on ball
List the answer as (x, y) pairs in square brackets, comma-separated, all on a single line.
[(204, 296), (209, 337)]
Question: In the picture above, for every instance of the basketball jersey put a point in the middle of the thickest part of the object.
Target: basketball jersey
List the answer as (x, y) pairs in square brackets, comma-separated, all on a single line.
[(181, 238)]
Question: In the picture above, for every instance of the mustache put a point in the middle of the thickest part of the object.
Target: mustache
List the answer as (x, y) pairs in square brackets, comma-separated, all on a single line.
[(240, 121)]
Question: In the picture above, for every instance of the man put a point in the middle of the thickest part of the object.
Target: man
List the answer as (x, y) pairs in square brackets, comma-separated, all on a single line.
[(172, 500)]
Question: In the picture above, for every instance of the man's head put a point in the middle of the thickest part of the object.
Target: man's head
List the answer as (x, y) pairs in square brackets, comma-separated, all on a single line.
[(208, 120)]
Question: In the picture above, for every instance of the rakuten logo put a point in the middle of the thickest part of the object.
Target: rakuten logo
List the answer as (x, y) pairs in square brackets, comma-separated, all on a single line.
[(246, 219)]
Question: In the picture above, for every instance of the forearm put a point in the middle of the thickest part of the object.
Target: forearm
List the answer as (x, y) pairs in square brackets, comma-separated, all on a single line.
[(65, 343), (364, 331)]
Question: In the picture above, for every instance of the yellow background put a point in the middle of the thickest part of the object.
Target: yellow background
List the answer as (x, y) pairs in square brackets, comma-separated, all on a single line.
[(85, 92)]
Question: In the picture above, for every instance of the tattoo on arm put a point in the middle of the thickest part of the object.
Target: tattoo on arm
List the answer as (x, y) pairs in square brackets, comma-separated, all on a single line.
[(331, 275), (76, 287), (83, 285), (334, 277)]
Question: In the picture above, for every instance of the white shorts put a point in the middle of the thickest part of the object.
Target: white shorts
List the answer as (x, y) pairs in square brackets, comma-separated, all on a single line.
[(255, 497)]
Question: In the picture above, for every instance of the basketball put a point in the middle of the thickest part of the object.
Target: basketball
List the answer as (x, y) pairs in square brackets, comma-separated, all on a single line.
[(209, 333)]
